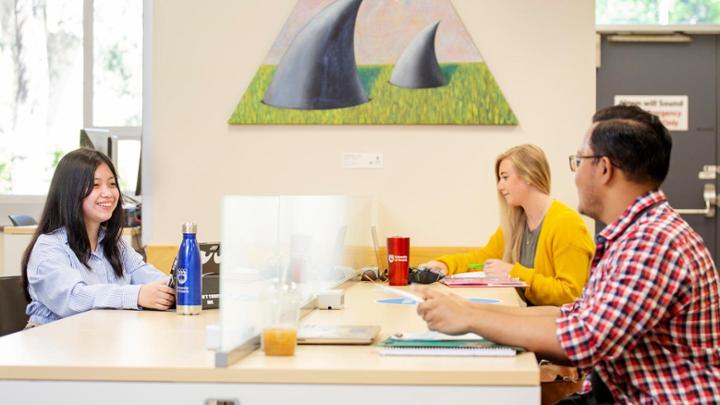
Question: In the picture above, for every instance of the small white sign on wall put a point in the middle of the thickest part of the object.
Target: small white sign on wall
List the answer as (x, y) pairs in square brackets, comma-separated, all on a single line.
[(672, 110)]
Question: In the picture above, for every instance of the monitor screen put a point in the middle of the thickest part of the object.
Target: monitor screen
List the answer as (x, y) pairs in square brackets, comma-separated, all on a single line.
[(127, 164), (123, 149), (100, 140)]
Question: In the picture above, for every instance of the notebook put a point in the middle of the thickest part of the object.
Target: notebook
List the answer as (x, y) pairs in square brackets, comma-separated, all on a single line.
[(439, 344), (482, 282), (337, 334), (496, 351)]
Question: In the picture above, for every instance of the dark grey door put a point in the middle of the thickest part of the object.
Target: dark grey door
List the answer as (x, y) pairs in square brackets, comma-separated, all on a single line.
[(665, 68)]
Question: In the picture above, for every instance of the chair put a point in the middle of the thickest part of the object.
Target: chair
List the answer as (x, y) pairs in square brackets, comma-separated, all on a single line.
[(22, 220), (161, 256), (12, 305)]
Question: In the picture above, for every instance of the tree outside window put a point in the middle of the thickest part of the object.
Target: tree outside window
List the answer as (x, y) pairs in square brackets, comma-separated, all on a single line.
[(42, 77), (657, 12)]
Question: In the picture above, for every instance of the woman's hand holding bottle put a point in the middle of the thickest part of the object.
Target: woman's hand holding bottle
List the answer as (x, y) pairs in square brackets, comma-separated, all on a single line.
[(156, 295)]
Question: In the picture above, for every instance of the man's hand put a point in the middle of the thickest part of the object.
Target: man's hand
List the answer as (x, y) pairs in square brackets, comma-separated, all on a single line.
[(447, 313), (531, 328), (437, 267), (156, 295), (497, 268)]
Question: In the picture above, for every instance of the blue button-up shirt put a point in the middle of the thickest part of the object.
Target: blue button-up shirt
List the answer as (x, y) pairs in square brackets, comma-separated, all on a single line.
[(61, 286)]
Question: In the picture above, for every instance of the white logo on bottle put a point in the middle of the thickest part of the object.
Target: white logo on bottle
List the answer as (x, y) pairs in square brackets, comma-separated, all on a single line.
[(182, 276), (391, 258)]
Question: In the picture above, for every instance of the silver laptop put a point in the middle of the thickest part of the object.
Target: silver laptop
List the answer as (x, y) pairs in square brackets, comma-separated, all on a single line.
[(337, 334), (376, 249), (380, 264)]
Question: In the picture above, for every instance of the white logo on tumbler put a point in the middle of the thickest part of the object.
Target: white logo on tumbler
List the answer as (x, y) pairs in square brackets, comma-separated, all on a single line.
[(397, 258)]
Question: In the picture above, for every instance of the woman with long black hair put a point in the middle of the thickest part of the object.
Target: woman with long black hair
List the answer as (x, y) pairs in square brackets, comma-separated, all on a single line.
[(77, 260)]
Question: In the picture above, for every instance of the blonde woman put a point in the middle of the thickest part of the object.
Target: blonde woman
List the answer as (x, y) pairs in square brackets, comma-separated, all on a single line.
[(540, 240)]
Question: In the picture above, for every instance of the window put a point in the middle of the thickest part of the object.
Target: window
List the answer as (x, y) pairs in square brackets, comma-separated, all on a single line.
[(117, 67), (55, 82), (657, 12)]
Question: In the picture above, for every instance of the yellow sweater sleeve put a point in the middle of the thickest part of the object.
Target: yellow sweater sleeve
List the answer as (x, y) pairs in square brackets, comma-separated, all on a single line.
[(458, 263), (562, 259)]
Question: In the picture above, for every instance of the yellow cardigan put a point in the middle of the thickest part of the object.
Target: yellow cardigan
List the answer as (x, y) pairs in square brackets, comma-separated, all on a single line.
[(562, 258)]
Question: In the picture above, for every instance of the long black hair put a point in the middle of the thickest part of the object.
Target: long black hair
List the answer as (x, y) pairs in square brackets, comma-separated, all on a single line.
[(73, 181)]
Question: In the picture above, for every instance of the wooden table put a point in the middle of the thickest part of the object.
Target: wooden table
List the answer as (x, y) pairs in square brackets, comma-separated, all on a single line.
[(159, 357)]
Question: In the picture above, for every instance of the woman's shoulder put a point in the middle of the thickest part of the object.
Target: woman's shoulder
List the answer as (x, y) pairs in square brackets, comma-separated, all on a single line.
[(566, 224), (49, 246), (58, 236), (562, 210)]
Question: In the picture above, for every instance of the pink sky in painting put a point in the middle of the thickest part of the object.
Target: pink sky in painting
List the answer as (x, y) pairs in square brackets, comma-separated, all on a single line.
[(385, 27)]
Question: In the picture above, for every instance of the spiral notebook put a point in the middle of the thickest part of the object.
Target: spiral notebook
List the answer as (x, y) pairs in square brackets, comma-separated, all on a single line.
[(482, 282), (439, 344), (494, 351)]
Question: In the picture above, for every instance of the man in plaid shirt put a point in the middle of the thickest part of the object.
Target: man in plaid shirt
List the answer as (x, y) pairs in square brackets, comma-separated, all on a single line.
[(647, 326)]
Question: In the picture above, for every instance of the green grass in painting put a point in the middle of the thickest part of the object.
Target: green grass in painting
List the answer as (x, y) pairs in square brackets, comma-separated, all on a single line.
[(471, 98)]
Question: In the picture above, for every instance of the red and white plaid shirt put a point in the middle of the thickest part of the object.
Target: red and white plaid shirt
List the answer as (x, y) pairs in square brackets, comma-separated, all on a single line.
[(648, 321)]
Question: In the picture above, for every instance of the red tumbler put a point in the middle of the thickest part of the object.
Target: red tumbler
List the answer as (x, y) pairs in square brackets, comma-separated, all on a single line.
[(398, 260)]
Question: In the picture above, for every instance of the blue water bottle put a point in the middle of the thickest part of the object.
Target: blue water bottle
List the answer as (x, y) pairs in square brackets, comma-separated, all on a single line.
[(188, 273)]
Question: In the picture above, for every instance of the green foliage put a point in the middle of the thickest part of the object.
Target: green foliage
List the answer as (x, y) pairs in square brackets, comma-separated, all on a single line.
[(696, 12), (648, 12), (471, 98), (6, 159), (56, 156), (5, 183), (114, 61)]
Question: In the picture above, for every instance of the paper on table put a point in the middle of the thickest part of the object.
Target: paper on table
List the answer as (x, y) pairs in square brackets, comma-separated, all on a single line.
[(485, 282), (399, 292), (470, 274)]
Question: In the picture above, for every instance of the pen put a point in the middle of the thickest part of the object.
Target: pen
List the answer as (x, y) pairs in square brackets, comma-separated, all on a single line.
[(476, 266), (402, 293)]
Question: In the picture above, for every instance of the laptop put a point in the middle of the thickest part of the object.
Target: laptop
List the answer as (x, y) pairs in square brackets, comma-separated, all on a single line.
[(210, 258), (337, 334), (381, 269)]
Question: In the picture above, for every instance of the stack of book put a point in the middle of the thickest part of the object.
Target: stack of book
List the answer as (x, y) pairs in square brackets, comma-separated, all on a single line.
[(440, 344), (479, 279)]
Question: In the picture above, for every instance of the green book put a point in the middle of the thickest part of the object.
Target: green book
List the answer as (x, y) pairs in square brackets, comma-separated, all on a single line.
[(439, 340), (390, 342)]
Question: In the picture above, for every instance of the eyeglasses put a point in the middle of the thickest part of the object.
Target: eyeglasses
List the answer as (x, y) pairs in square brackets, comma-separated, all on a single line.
[(574, 160)]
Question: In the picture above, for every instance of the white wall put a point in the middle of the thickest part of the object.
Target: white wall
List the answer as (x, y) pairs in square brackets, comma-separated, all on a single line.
[(437, 185)]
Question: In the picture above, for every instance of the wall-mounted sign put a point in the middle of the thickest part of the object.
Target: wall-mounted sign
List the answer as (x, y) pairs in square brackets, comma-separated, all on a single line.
[(672, 110)]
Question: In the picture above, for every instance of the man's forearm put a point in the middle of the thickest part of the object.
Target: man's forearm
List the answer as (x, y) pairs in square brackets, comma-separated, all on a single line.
[(526, 311), (530, 328)]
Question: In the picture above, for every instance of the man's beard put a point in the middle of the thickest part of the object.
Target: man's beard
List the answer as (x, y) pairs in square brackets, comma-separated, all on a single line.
[(590, 205)]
